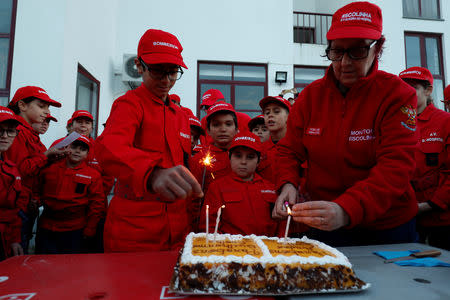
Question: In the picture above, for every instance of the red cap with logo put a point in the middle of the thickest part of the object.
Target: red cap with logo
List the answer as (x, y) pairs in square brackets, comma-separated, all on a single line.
[(417, 73), (219, 106), (247, 139), (275, 99), (51, 118), (81, 114), (446, 94), (175, 98), (255, 121), (160, 47), (35, 92), (85, 140), (7, 114), (194, 121), (211, 96), (361, 20)]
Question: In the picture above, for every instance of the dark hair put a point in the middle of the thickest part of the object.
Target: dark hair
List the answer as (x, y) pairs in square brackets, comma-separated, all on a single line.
[(222, 112), (230, 152), (83, 145), (379, 47), (15, 108), (255, 122)]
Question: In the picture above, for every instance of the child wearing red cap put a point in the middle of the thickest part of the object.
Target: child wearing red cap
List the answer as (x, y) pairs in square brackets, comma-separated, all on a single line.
[(146, 145), (431, 180), (248, 198), (10, 189), (257, 126), (72, 195), (31, 105), (42, 128)]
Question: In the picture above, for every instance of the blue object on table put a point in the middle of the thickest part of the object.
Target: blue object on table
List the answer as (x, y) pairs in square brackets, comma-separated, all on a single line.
[(418, 262)]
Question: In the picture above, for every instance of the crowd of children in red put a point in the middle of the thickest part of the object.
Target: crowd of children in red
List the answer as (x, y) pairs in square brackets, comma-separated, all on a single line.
[(348, 157)]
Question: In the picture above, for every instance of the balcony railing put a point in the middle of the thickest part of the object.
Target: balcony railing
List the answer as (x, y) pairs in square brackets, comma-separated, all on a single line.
[(311, 28)]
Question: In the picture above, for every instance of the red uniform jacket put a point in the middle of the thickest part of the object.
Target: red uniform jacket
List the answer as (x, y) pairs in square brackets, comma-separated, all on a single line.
[(431, 179), (10, 190), (72, 198), (27, 152), (142, 132), (359, 148), (268, 155), (247, 206)]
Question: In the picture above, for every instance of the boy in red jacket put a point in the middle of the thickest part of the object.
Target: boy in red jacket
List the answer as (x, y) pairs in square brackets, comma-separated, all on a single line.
[(10, 188), (42, 128), (248, 198), (31, 105), (257, 126), (72, 195)]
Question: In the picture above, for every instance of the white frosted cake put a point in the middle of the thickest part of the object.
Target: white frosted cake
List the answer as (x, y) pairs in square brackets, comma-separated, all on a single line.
[(259, 264)]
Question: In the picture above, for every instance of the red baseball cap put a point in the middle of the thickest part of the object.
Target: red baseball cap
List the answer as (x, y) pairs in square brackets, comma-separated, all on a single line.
[(275, 99), (85, 140), (361, 20), (219, 106), (255, 121), (81, 114), (247, 139), (52, 118), (446, 94), (194, 121), (175, 97), (7, 114), (160, 47), (33, 91), (211, 96), (187, 110), (417, 73)]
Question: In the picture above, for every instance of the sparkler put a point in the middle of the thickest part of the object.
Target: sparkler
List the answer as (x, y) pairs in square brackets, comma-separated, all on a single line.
[(219, 212), (206, 161)]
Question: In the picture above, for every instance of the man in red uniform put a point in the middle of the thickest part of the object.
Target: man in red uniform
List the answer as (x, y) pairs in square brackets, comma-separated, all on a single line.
[(72, 195), (248, 198), (146, 145), (431, 180), (10, 188)]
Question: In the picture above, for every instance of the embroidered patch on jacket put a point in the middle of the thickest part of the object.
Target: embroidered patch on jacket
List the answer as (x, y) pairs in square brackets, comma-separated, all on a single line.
[(433, 137), (184, 135), (410, 112), (268, 191), (313, 131)]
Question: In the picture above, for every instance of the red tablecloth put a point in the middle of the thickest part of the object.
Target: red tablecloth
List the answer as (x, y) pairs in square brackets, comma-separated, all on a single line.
[(144, 275)]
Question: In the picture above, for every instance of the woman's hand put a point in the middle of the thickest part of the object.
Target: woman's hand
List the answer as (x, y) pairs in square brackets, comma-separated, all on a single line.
[(323, 215), (288, 193)]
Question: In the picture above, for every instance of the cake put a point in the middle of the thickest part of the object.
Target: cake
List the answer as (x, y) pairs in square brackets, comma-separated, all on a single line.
[(236, 264)]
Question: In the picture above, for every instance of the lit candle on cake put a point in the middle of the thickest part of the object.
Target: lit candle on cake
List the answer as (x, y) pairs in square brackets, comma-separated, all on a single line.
[(288, 219), (219, 212), (207, 223)]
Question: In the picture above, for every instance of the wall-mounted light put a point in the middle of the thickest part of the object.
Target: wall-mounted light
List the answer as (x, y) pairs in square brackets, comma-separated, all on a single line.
[(280, 77)]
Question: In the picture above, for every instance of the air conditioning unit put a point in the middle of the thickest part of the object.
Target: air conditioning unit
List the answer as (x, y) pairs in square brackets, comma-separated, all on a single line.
[(129, 70)]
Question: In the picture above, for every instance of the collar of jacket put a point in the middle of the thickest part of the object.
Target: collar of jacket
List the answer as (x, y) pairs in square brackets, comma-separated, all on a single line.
[(146, 94), (24, 124), (62, 164), (256, 178), (427, 112)]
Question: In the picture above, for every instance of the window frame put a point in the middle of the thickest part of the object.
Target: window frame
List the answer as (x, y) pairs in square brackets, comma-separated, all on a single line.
[(230, 82), (7, 90), (82, 70), (420, 17), (303, 85)]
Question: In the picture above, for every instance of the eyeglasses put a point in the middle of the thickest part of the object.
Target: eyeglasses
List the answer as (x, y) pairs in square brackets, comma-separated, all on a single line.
[(160, 74), (10, 132), (336, 54)]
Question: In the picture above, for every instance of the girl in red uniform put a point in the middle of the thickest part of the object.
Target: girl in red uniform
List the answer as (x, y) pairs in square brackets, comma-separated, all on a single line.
[(10, 188), (431, 179), (72, 195), (355, 127), (248, 198)]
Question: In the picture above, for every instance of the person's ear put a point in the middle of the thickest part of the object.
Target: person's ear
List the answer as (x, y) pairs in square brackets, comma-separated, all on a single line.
[(22, 106), (429, 90), (139, 66)]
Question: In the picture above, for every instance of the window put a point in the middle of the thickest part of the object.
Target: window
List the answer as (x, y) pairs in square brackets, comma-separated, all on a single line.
[(242, 85), (87, 95), (311, 28), (425, 50), (423, 9), (304, 75), (7, 26)]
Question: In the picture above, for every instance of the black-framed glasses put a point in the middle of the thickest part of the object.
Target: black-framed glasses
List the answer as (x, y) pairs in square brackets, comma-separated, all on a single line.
[(10, 132), (160, 74), (336, 54)]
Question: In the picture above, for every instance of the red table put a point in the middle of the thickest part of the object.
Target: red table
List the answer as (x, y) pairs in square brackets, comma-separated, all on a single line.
[(144, 275)]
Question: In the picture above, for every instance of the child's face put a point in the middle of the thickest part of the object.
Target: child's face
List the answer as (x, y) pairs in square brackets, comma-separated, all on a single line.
[(275, 117), (35, 111), (156, 79), (222, 130), (41, 128), (7, 129), (82, 126), (77, 153), (244, 162), (261, 131)]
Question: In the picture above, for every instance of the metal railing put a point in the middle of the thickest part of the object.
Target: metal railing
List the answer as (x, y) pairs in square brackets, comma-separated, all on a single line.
[(311, 28)]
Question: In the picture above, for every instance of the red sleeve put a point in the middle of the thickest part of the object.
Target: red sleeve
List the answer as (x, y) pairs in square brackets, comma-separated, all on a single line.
[(115, 147), (96, 205), (441, 196), (214, 199)]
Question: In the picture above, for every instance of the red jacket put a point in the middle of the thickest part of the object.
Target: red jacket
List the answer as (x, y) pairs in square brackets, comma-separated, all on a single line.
[(247, 206), (142, 132), (72, 198), (27, 152), (10, 192), (359, 148), (266, 164), (431, 179)]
